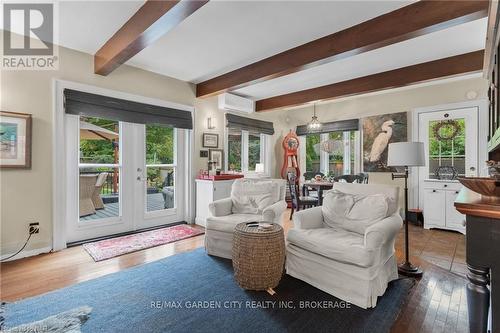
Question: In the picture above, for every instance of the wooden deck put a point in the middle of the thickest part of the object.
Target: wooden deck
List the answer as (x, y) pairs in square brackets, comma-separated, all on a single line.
[(154, 202)]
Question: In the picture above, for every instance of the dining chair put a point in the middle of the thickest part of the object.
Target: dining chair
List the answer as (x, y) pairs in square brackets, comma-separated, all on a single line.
[(298, 202), (349, 179)]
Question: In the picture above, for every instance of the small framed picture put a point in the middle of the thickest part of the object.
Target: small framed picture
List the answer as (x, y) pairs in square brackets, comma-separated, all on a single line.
[(217, 156), (210, 140), (15, 140)]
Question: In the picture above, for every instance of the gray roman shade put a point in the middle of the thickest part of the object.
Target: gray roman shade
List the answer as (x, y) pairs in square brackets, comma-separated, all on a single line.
[(334, 126), (249, 124), (92, 105)]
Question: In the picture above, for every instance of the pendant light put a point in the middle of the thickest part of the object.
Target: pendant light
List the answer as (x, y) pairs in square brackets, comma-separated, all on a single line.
[(314, 125)]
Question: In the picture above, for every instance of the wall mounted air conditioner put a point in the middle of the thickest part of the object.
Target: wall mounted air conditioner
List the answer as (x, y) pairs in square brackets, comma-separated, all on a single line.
[(236, 103)]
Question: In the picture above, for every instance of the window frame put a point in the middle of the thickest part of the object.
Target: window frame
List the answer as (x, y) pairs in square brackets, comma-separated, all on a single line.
[(325, 157), (264, 152)]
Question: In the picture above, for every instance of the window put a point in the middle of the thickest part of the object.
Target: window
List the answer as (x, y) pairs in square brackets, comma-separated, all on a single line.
[(99, 168), (333, 153), (234, 150), (160, 167), (253, 150), (447, 145), (245, 149)]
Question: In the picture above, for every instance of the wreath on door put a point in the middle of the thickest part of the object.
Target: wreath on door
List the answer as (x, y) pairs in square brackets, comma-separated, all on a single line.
[(446, 130)]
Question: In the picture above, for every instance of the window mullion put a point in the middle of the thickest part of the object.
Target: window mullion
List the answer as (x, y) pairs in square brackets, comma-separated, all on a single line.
[(244, 151), (324, 164)]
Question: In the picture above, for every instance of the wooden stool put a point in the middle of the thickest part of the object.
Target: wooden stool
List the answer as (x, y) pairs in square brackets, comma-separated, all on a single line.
[(416, 216)]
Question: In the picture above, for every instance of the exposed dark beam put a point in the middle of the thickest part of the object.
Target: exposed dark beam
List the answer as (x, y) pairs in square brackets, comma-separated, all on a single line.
[(150, 22), (437, 69), (417, 19)]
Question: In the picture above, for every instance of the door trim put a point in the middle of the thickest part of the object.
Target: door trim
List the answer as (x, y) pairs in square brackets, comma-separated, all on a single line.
[(482, 105), (59, 150)]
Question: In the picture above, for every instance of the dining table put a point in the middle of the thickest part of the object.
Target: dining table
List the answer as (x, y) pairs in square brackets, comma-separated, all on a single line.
[(319, 186)]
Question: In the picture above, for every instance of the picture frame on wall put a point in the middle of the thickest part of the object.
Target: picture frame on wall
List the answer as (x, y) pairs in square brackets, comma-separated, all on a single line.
[(217, 156), (210, 140), (15, 140)]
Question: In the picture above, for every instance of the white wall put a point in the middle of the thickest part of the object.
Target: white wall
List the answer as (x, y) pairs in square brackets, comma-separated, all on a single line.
[(403, 100)]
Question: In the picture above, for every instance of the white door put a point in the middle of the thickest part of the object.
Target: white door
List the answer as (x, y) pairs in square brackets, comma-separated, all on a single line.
[(450, 138), (122, 176)]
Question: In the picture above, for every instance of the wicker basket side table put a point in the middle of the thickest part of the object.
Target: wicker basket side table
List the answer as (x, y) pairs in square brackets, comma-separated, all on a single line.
[(258, 256)]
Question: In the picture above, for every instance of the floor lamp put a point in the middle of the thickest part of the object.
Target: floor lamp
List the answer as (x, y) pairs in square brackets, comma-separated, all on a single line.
[(406, 154)]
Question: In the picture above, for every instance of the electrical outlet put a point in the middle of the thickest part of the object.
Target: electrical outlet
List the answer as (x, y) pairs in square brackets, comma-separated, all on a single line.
[(34, 228)]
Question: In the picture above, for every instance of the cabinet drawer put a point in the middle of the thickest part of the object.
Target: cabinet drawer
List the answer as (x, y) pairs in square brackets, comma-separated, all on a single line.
[(434, 207), (452, 186)]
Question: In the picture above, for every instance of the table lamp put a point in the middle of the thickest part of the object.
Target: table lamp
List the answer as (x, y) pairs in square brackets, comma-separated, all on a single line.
[(406, 154)]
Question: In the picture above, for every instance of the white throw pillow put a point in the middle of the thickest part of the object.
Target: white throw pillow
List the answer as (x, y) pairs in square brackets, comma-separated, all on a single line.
[(336, 206), (367, 210), (253, 196)]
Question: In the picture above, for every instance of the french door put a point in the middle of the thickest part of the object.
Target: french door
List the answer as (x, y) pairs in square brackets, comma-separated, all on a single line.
[(450, 139), (122, 176)]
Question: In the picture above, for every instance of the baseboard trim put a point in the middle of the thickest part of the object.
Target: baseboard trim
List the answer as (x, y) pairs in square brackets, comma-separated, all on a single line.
[(27, 253)]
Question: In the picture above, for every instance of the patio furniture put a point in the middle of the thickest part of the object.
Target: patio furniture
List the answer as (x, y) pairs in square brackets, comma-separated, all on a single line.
[(251, 200), (87, 187), (96, 195), (346, 247), (299, 202), (258, 256)]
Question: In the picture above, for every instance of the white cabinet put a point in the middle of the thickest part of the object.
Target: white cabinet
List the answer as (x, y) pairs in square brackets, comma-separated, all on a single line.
[(208, 191), (439, 209)]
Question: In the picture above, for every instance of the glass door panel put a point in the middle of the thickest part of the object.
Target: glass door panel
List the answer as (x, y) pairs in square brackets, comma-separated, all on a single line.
[(99, 169)]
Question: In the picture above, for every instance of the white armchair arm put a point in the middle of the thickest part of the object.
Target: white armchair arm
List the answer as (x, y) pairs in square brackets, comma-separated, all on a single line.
[(311, 218), (382, 232), (221, 207), (273, 212)]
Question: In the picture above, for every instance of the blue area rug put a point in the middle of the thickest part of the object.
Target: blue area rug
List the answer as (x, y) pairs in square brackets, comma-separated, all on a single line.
[(193, 292)]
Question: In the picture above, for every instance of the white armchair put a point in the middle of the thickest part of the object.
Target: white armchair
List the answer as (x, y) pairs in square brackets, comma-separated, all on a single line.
[(350, 265), (265, 200)]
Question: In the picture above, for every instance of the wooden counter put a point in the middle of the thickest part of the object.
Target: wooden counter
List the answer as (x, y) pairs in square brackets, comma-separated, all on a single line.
[(483, 259), (472, 203)]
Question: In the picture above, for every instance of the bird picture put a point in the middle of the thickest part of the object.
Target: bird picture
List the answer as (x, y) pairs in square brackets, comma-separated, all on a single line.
[(378, 132)]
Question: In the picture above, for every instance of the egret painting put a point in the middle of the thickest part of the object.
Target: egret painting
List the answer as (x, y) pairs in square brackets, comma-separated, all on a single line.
[(378, 132)]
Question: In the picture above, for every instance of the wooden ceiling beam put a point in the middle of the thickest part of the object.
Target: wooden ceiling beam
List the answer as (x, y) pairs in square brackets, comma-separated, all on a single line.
[(414, 20), (150, 22), (437, 69)]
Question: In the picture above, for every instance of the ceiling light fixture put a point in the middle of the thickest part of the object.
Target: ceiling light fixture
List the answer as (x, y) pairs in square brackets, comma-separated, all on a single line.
[(314, 125)]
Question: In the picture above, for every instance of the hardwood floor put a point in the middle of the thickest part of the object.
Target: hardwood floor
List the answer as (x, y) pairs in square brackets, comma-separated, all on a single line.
[(437, 303)]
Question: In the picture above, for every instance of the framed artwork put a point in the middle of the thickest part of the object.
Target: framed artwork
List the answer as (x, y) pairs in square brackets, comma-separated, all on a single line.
[(217, 156), (210, 140), (15, 140), (378, 132)]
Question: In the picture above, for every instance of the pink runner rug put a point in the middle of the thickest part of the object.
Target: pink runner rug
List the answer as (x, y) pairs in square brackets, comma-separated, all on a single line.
[(118, 246)]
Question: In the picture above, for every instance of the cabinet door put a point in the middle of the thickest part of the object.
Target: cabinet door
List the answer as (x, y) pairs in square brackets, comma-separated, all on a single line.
[(434, 208), (222, 189), (454, 219)]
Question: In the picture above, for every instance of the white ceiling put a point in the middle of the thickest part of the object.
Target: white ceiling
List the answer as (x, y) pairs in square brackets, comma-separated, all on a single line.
[(226, 35)]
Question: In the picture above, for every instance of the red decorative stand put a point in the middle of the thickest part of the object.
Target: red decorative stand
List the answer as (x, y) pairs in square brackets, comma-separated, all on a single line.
[(290, 161)]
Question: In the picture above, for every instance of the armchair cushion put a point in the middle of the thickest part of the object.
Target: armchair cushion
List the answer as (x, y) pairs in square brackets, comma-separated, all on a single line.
[(220, 207), (228, 222), (354, 212), (252, 197), (339, 245), (273, 212)]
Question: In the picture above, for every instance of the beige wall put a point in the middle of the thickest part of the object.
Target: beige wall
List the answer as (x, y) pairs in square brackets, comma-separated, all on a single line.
[(26, 195), (390, 102), (208, 108)]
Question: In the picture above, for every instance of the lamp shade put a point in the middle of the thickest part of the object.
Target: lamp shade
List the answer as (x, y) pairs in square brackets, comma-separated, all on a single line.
[(406, 154)]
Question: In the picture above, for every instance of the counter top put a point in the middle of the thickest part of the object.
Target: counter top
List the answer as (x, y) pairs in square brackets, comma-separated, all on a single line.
[(471, 203)]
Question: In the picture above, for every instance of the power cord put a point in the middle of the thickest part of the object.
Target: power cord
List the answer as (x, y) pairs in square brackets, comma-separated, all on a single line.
[(15, 254)]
